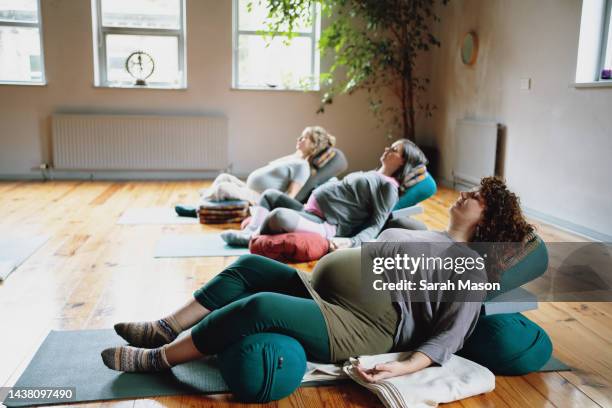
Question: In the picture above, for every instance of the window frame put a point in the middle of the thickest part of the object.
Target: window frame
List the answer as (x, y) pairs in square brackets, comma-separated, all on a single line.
[(315, 63), (605, 37), (100, 33), (39, 25)]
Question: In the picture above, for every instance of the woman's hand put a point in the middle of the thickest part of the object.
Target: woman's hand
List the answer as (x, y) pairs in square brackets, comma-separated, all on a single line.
[(381, 371), (417, 361), (339, 243)]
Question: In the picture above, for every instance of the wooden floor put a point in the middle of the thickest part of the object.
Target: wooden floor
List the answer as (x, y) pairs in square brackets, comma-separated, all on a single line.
[(93, 273)]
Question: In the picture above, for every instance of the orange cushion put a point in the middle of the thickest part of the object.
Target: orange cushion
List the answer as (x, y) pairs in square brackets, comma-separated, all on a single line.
[(290, 247)]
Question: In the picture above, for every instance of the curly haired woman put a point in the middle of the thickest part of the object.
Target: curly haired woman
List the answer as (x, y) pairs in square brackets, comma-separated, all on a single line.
[(326, 311)]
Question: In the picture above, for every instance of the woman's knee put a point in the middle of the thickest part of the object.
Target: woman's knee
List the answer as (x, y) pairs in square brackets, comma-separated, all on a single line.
[(261, 306), (280, 220), (248, 262), (269, 198), (223, 177)]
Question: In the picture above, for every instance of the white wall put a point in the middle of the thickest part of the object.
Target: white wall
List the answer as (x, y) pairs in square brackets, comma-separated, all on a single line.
[(262, 124), (559, 138)]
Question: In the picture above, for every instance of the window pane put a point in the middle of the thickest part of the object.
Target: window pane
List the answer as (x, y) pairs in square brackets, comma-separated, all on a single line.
[(276, 65), (20, 58), (19, 10), (141, 13), (255, 20), (608, 59), (163, 50)]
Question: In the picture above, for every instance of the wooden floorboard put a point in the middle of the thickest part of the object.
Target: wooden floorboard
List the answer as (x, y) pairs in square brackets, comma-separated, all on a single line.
[(93, 273)]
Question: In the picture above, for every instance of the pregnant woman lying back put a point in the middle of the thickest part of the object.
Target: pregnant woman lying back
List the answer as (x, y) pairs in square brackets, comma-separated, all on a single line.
[(326, 311), (287, 174), (347, 212)]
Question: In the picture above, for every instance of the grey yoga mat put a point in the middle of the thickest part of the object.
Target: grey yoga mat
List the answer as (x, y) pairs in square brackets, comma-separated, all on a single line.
[(554, 365), (80, 368), (153, 215), (195, 245), (71, 359), (15, 250)]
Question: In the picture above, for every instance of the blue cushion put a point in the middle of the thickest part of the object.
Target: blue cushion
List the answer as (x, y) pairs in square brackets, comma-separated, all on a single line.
[(417, 193), (263, 367)]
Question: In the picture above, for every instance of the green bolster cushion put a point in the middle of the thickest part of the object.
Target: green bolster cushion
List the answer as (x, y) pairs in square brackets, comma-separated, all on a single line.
[(263, 367), (508, 344), (417, 193), (523, 267)]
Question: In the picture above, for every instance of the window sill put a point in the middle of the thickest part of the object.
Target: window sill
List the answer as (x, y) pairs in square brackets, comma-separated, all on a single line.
[(23, 83), (154, 87), (594, 84), (243, 88)]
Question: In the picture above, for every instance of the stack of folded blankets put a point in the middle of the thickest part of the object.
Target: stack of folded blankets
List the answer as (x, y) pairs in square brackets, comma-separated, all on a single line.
[(223, 212)]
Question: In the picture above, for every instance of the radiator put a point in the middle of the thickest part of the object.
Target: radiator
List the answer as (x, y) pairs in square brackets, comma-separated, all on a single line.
[(121, 142), (475, 151)]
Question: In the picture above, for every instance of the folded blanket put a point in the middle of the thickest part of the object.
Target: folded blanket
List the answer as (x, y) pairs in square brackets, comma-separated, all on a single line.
[(415, 175), (457, 379), (323, 158), (223, 205), (224, 213)]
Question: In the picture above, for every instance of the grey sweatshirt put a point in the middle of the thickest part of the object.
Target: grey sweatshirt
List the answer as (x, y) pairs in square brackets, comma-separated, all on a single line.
[(437, 329), (359, 204)]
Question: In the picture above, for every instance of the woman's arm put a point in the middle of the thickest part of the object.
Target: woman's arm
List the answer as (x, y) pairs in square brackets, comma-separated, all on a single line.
[(415, 362), (379, 216)]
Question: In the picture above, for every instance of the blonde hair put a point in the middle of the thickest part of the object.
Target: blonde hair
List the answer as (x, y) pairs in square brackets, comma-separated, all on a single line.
[(321, 139)]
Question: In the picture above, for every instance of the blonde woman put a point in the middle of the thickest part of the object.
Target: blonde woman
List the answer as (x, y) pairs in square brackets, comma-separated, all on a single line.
[(287, 174)]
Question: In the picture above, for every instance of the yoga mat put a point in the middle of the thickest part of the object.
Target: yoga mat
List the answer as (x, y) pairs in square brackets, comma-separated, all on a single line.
[(72, 359), (15, 250), (154, 215), (195, 245), (554, 365)]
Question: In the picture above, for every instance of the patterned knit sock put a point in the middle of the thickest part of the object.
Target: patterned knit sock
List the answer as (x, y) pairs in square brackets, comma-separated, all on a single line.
[(133, 359), (149, 334)]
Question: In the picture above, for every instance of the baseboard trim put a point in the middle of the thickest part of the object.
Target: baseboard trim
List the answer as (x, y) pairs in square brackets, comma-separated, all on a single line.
[(110, 175), (567, 225)]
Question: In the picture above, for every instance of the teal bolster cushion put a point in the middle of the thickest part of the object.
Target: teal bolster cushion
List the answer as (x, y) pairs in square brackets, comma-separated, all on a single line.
[(417, 193), (524, 266), (263, 367), (508, 344)]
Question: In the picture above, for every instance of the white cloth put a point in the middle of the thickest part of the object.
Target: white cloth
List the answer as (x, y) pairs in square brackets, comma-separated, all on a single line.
[(457, 379)]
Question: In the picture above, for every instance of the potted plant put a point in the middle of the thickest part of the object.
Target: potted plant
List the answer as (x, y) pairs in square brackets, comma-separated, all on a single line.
[(374, 46)]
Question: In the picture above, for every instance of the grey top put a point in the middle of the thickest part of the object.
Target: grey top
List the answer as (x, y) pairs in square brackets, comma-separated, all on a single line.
[(359, 204), (278, 174), (435, 328)]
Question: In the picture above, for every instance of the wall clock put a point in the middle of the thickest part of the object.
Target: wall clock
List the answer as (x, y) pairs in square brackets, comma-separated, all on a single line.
[(141, 66)]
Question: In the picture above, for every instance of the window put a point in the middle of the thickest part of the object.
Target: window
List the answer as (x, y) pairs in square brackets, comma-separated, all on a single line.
[(606, 52), (263, 62), (21, 57), (154, 29), (594, 67)]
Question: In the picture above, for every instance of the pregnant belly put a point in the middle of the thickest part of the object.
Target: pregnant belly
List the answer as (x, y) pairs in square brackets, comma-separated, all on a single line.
[(338, 279)]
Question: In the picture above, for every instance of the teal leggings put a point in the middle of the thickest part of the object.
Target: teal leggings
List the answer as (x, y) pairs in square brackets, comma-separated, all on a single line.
[(254, 295)]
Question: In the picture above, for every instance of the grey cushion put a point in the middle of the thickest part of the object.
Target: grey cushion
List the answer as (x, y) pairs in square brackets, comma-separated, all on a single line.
[(334, 167)]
